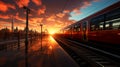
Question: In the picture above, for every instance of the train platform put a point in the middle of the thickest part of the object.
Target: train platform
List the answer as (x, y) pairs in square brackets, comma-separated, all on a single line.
[(51, 55)]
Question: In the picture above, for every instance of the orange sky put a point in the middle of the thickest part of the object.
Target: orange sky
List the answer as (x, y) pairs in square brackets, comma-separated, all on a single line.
[(53, 14)]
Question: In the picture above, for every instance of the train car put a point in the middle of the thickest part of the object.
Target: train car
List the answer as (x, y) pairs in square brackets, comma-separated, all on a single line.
[(67, 32), (103, 26), (72, 31)]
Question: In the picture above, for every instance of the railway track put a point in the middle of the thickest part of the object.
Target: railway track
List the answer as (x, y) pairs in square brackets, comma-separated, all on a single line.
[(87, 56)]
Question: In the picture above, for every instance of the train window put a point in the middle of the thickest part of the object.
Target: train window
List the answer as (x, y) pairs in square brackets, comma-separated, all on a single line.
[(96, 27), (116, 24), (75, 28), (107, 26), (112, 19), (92, 27), (97, 23), (112, 24), (113, 14), (101, 25), (78, 28)]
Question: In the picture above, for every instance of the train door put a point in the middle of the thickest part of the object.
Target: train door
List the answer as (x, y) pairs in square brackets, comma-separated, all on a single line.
[(84, 30)]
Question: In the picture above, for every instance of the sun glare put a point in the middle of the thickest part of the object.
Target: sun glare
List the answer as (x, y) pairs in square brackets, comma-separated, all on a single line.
[(52, 32)]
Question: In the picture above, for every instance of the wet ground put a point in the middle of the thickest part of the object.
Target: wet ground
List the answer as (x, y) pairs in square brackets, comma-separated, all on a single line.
[(51, 55)]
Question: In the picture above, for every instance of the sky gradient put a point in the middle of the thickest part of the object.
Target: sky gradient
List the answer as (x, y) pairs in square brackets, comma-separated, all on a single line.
[(53, 14)]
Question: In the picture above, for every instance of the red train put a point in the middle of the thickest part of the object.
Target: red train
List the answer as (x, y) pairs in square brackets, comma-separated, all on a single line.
[(103, 26)]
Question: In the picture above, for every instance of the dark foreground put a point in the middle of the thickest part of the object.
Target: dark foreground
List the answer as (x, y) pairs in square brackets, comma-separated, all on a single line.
[(51, 55)]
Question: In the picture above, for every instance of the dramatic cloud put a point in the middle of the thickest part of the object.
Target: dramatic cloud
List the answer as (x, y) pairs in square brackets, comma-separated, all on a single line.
[(36, 20), (62, 8), (41, 10), (66, 11), (22, 3), (4, 16), (86, 4), (4, 24), (60, 15), (76, 12), (37, 2), (17, 16), (4, 7), (51, 18), (54, 14)]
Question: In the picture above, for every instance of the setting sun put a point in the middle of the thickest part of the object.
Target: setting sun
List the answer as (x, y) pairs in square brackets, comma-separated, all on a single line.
[(52, 31)]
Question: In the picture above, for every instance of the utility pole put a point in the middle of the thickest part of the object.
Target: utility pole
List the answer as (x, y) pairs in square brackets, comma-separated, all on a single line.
[(41, 35), (12, 26), (26, 34), (26, 29)]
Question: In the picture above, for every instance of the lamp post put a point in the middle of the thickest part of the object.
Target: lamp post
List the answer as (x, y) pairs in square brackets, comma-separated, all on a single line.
[(26, 29), (26, 36), (41, 35)]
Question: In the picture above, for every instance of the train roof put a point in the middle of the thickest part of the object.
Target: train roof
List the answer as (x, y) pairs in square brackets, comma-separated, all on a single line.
[(107, 9)]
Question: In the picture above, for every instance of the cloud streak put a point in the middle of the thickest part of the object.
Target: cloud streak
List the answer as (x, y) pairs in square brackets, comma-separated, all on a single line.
[(4, 7), (41, 10), (4, 16), (52, 13), (37, 2), (22, 3)]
